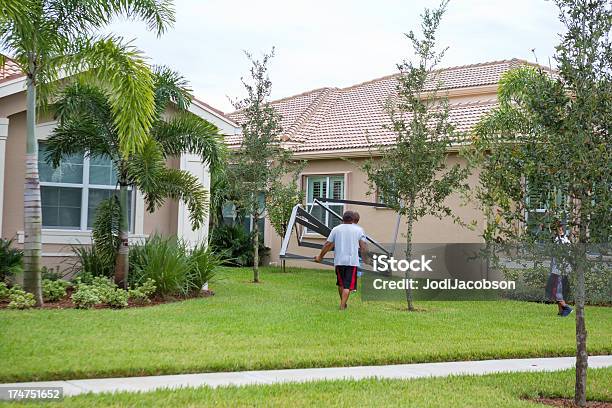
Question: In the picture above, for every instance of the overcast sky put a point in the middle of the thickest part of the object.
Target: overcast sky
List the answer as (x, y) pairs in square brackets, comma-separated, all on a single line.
[(334, 43)]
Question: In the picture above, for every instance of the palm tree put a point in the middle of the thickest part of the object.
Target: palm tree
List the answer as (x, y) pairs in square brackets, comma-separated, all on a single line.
[(50, 39), (85, 125)]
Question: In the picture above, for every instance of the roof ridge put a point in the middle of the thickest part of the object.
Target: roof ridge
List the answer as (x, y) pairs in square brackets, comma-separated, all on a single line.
[(288, 97), (307, 114), (474, 103), (451, 68)]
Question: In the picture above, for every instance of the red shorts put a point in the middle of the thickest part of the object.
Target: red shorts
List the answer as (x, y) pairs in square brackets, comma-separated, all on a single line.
[(346, 276)]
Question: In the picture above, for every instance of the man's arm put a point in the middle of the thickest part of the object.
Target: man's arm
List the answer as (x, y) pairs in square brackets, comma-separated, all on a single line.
[(363, 249), (328, 246)]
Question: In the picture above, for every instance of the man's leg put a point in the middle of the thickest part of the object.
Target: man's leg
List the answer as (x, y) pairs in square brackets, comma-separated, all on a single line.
[(340, 292), (344, 298)]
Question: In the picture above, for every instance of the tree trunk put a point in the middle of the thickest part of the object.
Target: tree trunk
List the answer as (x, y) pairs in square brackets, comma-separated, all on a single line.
[(122, 261), (255, 249), (283, 263), (32, 246), (407, 275), (581, 332)]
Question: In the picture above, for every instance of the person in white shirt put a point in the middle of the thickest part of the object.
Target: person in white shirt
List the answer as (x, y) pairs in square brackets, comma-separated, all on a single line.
[(557, 278), (347, 240)]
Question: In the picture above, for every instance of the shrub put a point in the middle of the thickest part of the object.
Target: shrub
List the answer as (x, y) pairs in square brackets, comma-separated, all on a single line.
[(54, 290), (53, 274), (143, 292), (91, 261), (203, 263), (19, 299), (10, 259), (117, 298), (234, 243), (85, 297), (98, 290), (165, 260), (105, 288), (4, 292)]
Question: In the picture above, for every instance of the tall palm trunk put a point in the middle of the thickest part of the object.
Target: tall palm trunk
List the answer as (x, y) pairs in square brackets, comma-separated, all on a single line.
[(255, 248), (122, 261), (31, 202)]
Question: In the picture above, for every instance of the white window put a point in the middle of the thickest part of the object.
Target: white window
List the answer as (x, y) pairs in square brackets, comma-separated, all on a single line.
[(71, 192), (325, 187), (541, 203)]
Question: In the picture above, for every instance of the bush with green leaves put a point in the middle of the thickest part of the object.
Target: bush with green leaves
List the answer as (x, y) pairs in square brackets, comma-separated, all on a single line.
[(20, 299), (203, 263), (235, 244), (143, 292), (54, 273), (163, 259), (105, 288), (98, 290), (85, 297), (54, 290), (10, 259), (117, 298), (92, 261), (175, 269), (4, 291)]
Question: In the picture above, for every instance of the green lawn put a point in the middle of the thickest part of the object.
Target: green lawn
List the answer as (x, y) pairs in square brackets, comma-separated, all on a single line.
[(288, 321), (498, 390)]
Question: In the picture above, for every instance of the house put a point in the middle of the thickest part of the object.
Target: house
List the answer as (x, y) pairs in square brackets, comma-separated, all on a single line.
[(69, 199), (334, 129)]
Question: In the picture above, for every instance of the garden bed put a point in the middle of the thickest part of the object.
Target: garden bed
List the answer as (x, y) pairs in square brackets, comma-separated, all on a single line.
[(67, 303)]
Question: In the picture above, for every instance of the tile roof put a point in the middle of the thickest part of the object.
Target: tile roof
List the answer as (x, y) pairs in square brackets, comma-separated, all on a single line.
[(329, 119), (9, 69)]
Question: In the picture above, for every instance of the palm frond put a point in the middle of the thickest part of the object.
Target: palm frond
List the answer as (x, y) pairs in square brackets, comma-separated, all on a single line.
[(182, 185), (143, 171), (158, 14), (188, 133), (105, 232), (84, 125), (120, 69), (170, 87)]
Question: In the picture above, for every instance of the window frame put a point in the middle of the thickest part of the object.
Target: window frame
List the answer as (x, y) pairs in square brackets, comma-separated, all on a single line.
[(85, 186), (329, 192)]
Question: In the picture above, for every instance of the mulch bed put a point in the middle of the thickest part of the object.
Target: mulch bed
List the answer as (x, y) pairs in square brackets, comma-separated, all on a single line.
[(569, 403), (66, 303)]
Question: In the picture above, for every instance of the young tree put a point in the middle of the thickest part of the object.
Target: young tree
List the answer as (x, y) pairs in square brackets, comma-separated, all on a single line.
[(260, 160), (280, 203), (412, 174), (86, 126), (48, 38), (548, 146)]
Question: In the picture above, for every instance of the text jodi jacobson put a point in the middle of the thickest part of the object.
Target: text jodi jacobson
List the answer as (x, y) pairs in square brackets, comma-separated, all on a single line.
[(443, 284), (385, 263)]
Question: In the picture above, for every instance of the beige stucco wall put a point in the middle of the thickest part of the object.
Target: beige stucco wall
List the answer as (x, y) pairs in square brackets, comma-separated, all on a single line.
[(380, 223), (163, 221)]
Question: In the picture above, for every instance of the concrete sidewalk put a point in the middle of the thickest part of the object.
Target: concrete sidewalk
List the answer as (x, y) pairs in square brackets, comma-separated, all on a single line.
[(400, 371)]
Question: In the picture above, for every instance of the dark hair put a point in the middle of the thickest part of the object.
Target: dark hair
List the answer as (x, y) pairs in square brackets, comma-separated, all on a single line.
[(356, 217), (348, 216)]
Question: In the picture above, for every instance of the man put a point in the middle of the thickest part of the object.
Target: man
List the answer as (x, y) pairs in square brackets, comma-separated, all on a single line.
[(557, 281), (347, 240)]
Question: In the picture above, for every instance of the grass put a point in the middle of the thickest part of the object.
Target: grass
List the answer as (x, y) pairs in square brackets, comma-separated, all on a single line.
[(497, 390), (288, 321)]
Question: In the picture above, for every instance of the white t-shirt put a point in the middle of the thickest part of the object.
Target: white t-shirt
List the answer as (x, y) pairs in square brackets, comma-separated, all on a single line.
[(345, 238), (555, 267)]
